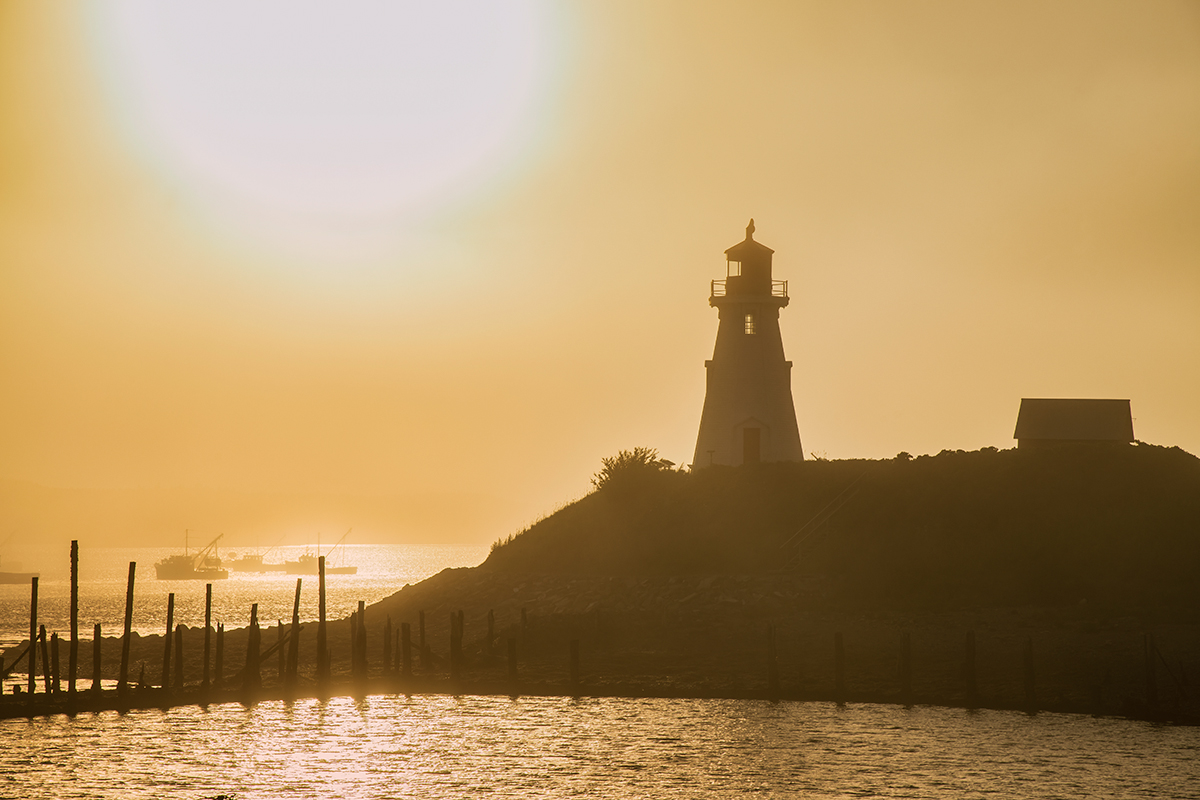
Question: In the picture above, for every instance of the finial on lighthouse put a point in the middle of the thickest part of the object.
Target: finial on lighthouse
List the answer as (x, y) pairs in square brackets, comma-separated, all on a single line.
[(750, 229)]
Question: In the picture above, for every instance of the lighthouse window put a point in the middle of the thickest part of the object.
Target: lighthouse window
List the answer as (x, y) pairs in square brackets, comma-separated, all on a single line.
[(735, 269), (749, 324)]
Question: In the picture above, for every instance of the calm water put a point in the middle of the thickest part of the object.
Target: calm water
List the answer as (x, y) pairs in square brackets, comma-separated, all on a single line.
[(434, 747), (104, 572)]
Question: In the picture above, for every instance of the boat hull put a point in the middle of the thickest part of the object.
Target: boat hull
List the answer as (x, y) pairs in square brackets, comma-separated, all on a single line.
[(312, 568), (171, 573)]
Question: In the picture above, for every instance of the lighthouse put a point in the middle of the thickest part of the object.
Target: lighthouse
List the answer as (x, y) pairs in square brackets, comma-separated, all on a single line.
[(748, 412)]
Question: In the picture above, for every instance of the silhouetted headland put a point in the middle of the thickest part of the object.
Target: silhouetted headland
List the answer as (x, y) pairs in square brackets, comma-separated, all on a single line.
[(1053, 579)]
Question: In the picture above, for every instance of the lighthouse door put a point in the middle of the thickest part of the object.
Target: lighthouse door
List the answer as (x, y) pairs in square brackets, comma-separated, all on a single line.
[(751, 445)]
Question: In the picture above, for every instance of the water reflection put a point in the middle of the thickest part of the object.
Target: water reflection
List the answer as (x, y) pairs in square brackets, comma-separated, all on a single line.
[(438, 746)]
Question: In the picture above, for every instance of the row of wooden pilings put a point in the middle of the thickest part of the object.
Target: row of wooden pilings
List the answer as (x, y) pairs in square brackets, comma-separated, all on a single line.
[(172, 639), (398, 650), (970, 683)]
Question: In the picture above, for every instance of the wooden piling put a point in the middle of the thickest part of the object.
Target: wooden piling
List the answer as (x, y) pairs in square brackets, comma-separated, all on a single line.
[(839, 669), (524, 622), (281, 660), (123, 679), (396, 654), (96, 661), (55, 686), (166, 678), (219, 657), (179, 658), (387, 645), (455, 645), (1030, 688), (772, 665), (45, 658), (293, 666), (1151, 678), (204, 683), (906, 695), (969, 672), (322, 641), (354, 644), (512, 661), (424, 649), (362, 638), (252, 680), (33, 633), (405, 650), (574, 666), (491, 634), (73, 653)]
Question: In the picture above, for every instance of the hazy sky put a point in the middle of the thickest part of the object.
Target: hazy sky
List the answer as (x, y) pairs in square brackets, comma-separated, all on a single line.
[(421, 269)]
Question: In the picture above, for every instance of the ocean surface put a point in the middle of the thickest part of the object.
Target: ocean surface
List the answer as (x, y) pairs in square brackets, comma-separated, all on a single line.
[(434, 746), (427, 746)]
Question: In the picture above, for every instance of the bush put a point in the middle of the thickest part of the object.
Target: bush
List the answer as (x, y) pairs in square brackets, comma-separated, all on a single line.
[(629, 466)]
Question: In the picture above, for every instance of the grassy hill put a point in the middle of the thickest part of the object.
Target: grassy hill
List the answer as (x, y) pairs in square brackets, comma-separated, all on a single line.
[(1082, 523)]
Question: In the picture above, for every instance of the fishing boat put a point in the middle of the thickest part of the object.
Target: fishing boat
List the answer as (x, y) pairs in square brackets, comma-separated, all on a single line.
[(251, 562), (205, 565), (309, 564)]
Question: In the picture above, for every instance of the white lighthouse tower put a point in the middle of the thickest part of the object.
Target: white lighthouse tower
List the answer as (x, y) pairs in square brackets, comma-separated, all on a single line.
[(748, 413)]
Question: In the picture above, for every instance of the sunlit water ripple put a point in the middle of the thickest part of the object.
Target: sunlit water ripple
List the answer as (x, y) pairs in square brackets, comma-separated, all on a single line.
[(442, 747)]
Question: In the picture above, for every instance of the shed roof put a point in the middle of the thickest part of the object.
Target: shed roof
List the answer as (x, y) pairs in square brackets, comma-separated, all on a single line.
[(1074, 419)]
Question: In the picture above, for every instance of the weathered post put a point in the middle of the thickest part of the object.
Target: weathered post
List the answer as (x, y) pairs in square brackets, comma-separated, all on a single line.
[(491, 635), (253, 678), (166, 679), (353, 644), (839, 669), (219, 657), (73, 654), (204, 684), (45, 659), (421, 641), (1151, 678), (96, 685), (574, 666), (55, 686), (387, 645), (455, 645), (906, 669), (969, 672), (512, 662), (281, 654), (524, 622), (123, 678), (405, 650), (293, 670), (322, 642), (772, 665), (1030, 693), (362, 638), (396, 654), (33, 634), (179, 658)]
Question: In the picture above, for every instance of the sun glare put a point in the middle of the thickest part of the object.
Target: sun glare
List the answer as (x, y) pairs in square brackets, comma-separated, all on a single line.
[(313, 126)]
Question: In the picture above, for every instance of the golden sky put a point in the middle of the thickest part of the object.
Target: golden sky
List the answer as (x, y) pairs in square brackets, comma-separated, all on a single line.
[(309, 267)]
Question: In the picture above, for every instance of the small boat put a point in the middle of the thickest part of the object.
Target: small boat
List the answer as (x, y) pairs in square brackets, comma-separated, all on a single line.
[(252, 562), (203, 566), (308, 564)]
